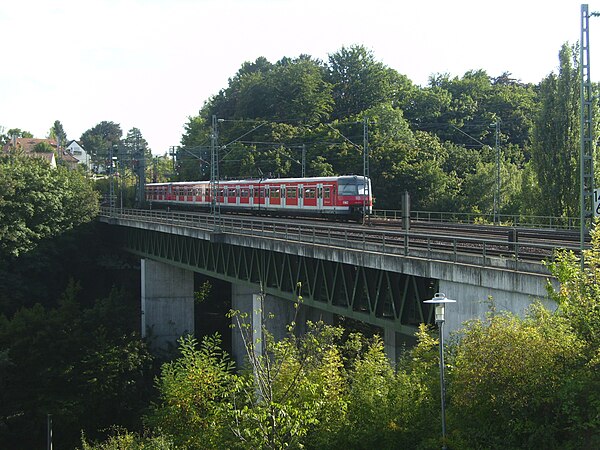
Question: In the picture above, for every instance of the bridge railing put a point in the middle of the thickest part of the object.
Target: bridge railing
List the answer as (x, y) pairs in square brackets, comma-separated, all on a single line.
[(500, 253), (513, 220)]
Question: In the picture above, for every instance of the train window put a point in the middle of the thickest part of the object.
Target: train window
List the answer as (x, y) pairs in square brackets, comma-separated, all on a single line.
[(362, 188), (275, 192), (244, 192), (310, 192), (327, 192), (291, 192), (347, 188), (231, 192)]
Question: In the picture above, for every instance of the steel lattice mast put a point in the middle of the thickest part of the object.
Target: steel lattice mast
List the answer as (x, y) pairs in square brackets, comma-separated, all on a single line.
[(586, 160)]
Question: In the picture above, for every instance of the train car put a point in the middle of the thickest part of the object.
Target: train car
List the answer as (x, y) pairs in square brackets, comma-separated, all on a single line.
[(348, 195)]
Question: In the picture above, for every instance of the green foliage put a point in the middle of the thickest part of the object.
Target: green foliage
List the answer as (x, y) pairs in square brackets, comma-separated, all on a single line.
[(125, 440), (68, 362), (99, 140), (319, 390), (194, 395), (555, 150), (57, 132), (385, 408), (160, 170), (509, 376), (37, 202), (433, 141), (43, 147), (359, 81)]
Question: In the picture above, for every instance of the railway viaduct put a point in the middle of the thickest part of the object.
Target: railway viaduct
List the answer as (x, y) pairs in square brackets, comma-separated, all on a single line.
[(371, 276)]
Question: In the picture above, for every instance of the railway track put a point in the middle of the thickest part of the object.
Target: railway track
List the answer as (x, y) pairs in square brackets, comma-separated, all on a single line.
[(436, 240)]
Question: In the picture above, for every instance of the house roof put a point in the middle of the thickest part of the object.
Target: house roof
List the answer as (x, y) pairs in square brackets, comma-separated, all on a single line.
[(77, 142), (67, 157), (28, 144)]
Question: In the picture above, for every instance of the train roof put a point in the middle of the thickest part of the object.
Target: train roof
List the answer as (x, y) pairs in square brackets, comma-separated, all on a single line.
[(263, 180)]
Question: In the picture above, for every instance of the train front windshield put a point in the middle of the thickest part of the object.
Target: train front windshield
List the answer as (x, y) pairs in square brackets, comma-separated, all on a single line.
[(352, 187)]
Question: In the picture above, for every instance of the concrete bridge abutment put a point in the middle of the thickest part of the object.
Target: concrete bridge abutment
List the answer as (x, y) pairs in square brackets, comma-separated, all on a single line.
[(473, 301)]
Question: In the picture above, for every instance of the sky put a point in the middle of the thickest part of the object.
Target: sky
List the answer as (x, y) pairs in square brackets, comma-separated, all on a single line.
[(152, 64)]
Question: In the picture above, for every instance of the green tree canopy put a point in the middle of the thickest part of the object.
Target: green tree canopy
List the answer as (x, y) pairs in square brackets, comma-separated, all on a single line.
[(57, 132), (555, 150), (37, 202), (100, 139)]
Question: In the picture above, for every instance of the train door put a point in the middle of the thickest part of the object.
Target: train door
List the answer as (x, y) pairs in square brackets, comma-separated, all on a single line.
[(300, 196), (291, 196), (320, 196), (275, 196)]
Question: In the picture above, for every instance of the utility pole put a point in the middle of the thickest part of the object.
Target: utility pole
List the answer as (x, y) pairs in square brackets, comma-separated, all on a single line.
[(303, 160), (172, 152), (365, 164), (140, 156), (214, 174), (497, 193), (586, 159), (111, 190)]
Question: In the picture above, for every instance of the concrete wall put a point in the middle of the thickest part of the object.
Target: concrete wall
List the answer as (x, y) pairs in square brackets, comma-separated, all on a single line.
[(167, 303), (472, 302)]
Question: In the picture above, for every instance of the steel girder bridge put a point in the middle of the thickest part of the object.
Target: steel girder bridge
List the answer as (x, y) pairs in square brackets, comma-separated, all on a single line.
[(378, 297)]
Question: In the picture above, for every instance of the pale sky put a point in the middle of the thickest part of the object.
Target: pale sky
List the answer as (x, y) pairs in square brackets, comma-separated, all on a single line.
[(151, 64)]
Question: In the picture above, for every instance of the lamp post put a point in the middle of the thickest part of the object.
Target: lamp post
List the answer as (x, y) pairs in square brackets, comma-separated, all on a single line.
[(440, 301)]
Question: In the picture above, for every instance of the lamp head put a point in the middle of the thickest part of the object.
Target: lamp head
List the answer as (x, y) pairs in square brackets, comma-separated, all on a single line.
[(440, 300)]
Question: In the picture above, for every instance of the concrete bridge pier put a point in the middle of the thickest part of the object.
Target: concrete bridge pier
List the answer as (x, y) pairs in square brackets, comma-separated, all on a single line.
[(275, 313), (167, 303), (390, 345)]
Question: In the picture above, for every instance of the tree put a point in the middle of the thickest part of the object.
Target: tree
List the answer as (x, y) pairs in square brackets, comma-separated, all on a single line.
[(43, 147), (511, 377), (68, 361), (58, 133), (37, 202), (18, 133), (99, 141), (359, 81), (161, 169), (195, 393), (299, 92), (555, 150)]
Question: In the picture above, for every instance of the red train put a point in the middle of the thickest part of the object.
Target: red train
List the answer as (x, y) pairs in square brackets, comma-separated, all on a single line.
[(348, 195)]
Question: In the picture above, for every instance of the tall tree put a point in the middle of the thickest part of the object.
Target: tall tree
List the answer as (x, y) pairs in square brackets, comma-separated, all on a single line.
[(57, 132), (555, 151), (359, 81), (100, 139)]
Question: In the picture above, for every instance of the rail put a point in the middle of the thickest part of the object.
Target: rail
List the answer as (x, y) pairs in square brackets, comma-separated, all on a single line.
[(525, 257)]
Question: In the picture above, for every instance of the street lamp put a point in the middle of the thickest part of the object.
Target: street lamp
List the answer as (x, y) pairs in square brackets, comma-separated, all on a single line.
[(440, 301)]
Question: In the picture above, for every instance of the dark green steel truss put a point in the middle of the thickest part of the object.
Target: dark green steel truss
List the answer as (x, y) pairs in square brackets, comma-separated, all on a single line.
[(381, 298)]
